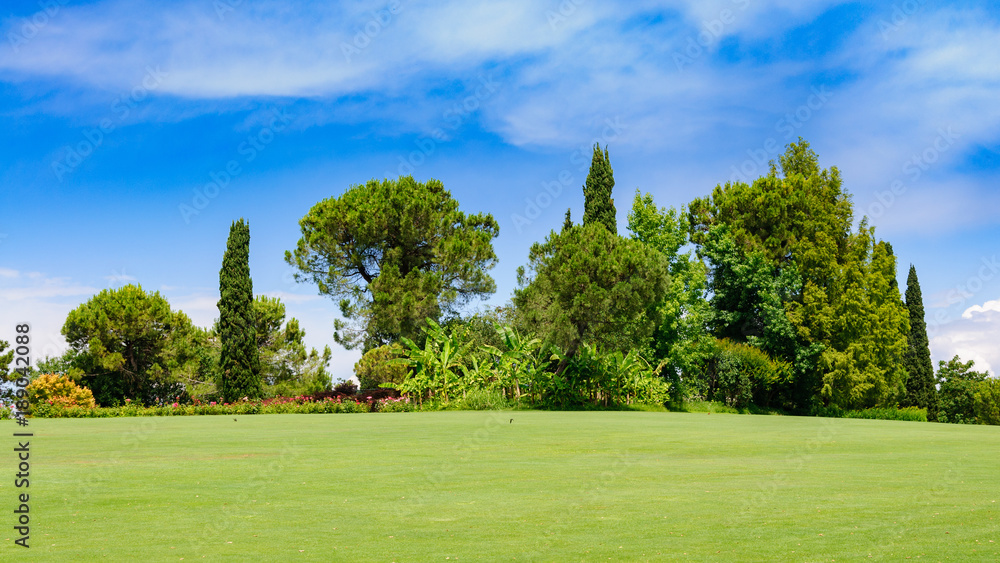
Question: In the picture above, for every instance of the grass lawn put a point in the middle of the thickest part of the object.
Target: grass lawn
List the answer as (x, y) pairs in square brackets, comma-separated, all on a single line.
[(472, 486)]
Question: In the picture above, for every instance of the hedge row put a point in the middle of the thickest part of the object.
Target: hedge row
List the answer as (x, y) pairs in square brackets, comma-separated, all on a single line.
[(282, 405), (911, 414)]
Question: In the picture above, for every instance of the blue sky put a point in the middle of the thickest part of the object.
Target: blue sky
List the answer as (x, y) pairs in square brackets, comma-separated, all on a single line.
[(135, 132)]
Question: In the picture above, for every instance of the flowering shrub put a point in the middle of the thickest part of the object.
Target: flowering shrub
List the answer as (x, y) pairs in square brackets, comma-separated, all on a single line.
[(277, 405), (59, 391), (399, 404)]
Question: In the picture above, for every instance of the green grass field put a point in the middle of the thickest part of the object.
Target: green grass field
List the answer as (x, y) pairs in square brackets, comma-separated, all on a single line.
[(472, 486)]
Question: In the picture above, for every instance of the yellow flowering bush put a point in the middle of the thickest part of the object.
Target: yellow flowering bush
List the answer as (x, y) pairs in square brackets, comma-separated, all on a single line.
[(59, 390)]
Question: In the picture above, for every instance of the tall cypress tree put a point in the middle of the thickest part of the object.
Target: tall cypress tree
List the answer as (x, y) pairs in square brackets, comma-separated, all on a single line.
[(598, 206), (239, 362), (920, 388)]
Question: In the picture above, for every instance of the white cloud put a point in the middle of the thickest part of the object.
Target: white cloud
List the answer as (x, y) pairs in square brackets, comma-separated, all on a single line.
[(973, 337), (989, 306)]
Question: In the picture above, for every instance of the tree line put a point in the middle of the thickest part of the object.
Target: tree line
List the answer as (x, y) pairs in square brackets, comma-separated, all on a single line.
[(759, 295)]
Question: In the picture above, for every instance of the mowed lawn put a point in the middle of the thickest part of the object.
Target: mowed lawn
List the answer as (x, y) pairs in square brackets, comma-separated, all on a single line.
[(474, 486)]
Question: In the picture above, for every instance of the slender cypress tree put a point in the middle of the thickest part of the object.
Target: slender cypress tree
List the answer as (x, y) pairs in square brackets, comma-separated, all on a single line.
[(598, 206), (239, 362), (920, 388), (568, 222)]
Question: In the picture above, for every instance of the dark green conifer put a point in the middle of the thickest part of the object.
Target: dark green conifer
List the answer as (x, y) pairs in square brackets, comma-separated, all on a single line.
[(599, 206), (920, 384), (239, 363)]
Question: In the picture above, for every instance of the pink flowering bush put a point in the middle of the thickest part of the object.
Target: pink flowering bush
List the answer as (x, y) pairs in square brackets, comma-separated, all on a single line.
[(398, 404)]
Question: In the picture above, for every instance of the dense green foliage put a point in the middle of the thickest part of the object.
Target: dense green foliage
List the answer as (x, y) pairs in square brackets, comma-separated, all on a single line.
[(911, 414), (378, 367), (680, 340), (587, 285), (127, 343), (599, 206), (960, 387), (986, 401), (921, 390), (791, 278), (740, 375), (456, 366), (164, 358), (764, 296), (239, 360), (395, 252), (7, 375)]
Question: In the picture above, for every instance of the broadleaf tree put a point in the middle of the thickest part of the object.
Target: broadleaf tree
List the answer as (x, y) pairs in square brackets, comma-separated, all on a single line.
[(681, 338), (959, 386), (395, 253)]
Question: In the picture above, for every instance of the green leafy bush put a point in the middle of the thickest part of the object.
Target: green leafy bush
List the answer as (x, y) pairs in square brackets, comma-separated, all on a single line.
[(740, 375), (912, 414), (957, 395), (986, 400), (378, 367), (484, 400)]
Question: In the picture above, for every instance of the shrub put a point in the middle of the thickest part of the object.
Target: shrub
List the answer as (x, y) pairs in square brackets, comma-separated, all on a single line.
[(739, 375), (986, 397), (401, 404), (484, 400), (912, 414), (376, 367), (957, 395), (58, 390), (278, 405), (346, 388)]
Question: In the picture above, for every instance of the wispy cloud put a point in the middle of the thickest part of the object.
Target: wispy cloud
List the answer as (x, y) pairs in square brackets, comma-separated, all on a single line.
[(43, 302)]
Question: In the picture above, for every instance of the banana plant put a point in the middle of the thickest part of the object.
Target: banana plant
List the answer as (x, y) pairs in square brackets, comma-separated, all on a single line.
[(435, 366), (517, 361)]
